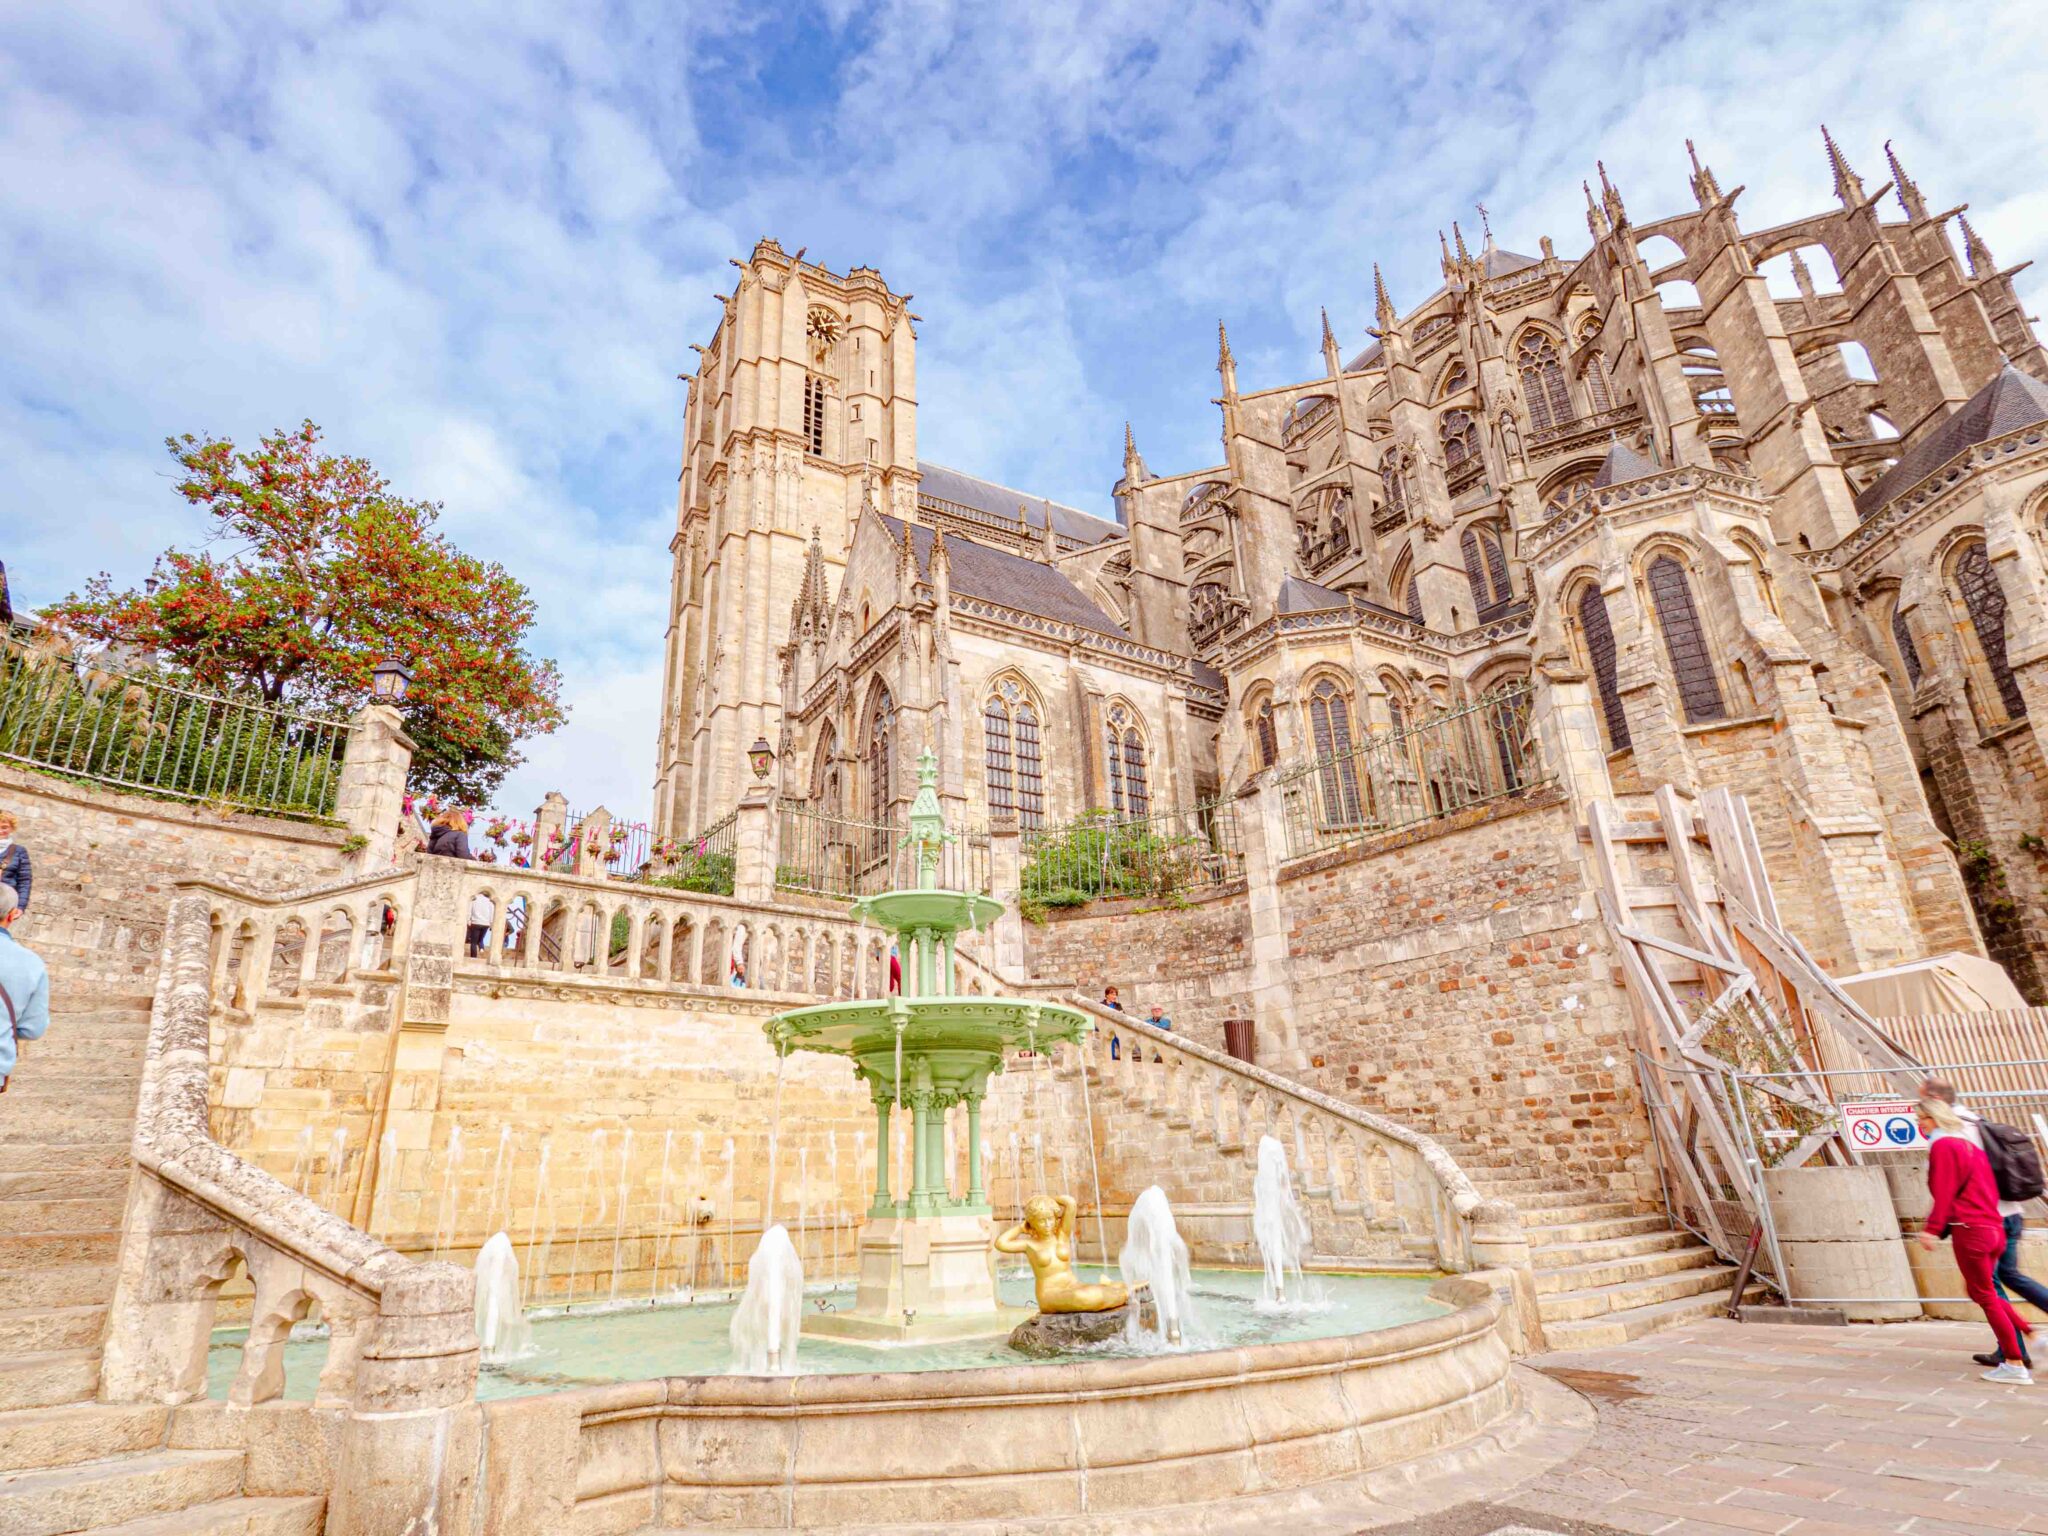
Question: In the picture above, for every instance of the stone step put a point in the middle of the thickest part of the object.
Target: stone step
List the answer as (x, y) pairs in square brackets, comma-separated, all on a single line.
[(23, 1329), (1613, 1328), (98, 1026), (1567, 1255), (33, 1439), (1619, 1270), (63, 1184), (100, 1214), (60, 1044), (1622, 1296), (95, 1157), (46, 1377), (1548, 1209), (96, 1495), (69, 1097), (231, 1517), (22, 1250), (1544, 1236), (22, 1139), (58, 1285)]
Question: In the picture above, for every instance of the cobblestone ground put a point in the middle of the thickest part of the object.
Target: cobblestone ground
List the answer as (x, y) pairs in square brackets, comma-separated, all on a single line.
[(1799, 1431)]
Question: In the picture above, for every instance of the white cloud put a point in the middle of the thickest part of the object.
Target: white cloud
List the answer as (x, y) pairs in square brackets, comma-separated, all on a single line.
[(473, 242)]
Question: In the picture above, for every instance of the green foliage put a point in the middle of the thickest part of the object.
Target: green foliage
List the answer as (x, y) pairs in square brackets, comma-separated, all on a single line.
[(1098, 857), (329, 572), (622, 933), (708, 874), (1985, 877), (354, 843)]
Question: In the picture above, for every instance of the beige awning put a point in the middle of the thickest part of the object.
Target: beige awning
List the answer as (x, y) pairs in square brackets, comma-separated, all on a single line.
[(1953, 983)]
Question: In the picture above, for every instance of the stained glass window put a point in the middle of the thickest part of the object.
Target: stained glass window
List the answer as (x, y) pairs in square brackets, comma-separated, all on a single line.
[(1985, 600), (1460, 438), (1902, 637), (1012, 754), (1685, 642), (1329, 716), (1598, 634), (1543, 386), (1264, 733)]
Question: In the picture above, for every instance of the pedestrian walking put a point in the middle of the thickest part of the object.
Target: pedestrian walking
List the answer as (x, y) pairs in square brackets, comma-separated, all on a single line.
[(14, 862), (481, 912), (24, 988), (1965, 1211), (2016, 1169)]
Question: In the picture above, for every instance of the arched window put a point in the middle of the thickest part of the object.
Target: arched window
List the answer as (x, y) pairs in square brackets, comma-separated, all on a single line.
[(1685, 642), (1486, 568), (1394, 477), (1574, 487), (1265, 736), (1460, 438), (876, 754), (814, 413), (1329, 721), (1543, 386), (827, 791), (1598, 396), (1012, 756), (1902, 637), (1124, 753), (1984, 600), (1456, 377), (1597, 634), (1403, 588), (1766, 587)]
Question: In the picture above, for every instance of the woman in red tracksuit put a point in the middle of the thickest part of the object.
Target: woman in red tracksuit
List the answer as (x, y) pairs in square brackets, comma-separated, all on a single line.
[(1966, 1212)]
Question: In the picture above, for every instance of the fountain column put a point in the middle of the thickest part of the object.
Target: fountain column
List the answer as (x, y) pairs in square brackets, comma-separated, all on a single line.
[(885, 1200), (976, 1195)]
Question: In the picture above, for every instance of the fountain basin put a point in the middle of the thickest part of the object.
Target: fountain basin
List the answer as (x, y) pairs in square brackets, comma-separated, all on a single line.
[(940, 910), (978, 1028), (1014, 1443)]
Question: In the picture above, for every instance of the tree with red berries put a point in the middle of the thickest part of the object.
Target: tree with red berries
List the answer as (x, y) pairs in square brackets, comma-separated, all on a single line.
[(317, 571)]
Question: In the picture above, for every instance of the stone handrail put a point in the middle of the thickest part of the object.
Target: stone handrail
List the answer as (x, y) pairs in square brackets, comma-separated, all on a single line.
[(401, 1336), (1394, 1173)]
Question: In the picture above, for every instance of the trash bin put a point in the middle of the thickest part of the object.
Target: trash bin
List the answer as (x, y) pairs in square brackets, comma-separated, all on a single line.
[(1237, 1039)]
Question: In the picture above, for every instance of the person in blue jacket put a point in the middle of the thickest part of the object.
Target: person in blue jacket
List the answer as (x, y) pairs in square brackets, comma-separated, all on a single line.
[(24, 987)]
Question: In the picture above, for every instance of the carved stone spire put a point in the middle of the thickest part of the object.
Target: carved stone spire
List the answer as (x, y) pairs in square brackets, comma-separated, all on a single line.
[(1226, 365), (1458, 235), (1610, 199), (1975, 251), (1848, 185), (1450, 264), (1135, 472), (1905, 186), (1382, 306), (1705, 190), (1332, 362), (1802, 275), (813, 608), (1596, 221)]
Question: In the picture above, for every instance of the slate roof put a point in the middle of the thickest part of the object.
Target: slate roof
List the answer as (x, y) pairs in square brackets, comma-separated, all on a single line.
[(1623, 463), (1298, 596), (1205, 674), (998, 576), (987, 496), (2010, 401)]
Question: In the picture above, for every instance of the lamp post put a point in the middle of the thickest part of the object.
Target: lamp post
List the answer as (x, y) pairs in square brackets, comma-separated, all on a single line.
[(389, 681), (762, 756)]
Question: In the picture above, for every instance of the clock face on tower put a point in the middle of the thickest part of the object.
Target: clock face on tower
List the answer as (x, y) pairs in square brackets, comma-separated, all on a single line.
[(823, 328)]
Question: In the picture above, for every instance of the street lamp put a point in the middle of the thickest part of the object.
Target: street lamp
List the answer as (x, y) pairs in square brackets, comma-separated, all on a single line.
[(762, 756), (389, 680)]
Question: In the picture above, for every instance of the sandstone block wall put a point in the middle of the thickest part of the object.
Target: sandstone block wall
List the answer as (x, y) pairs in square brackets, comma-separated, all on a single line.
[(104, 864)]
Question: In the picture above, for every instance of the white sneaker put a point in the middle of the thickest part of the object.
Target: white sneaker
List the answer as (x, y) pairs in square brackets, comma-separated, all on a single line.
[(2011, 1373)]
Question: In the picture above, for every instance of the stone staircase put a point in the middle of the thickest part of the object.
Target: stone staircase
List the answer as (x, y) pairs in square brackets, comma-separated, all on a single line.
[(67, 1462), (1607, 1270)]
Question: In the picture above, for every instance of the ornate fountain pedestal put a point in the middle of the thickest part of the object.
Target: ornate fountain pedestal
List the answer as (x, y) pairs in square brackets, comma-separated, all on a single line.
[(927, 1258)]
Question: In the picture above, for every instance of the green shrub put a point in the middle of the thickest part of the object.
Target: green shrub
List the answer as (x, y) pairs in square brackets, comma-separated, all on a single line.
[(1098, 857), (707, 874)]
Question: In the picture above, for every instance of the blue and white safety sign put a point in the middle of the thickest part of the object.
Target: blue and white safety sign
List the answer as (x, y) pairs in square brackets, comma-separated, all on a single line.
[(1882, 1125)]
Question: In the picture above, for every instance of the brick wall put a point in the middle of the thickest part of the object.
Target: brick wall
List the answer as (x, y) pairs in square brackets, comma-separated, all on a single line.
[(1191, 959)]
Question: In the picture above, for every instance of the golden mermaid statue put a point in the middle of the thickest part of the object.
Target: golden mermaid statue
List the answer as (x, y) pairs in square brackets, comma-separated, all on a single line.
[(1046, 1237)]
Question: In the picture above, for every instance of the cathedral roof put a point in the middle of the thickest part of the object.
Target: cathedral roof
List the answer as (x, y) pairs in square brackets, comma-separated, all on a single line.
[(1015, 581), (1002, 501), (1623, 463), (1298, 596), (2010, 401)]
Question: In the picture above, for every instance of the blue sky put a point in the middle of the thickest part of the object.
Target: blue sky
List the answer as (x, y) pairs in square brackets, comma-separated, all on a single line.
[(474, 242)]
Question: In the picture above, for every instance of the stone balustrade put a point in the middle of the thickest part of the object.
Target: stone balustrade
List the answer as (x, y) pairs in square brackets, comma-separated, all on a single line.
[(1392, 1191), (402, 1358)]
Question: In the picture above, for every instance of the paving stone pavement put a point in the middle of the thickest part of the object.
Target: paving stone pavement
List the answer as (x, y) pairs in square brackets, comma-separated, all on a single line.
[(1797, 1431)]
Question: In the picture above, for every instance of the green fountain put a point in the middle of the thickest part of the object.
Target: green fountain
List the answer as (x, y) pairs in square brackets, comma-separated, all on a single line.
[(927, 1260)]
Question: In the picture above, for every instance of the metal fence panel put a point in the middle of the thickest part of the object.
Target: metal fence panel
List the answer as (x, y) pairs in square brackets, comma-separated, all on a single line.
[(1165, 854), (1395, 779), (72, 716)]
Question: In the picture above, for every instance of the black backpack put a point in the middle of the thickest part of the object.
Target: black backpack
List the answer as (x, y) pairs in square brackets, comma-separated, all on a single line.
[(2014, 1162)]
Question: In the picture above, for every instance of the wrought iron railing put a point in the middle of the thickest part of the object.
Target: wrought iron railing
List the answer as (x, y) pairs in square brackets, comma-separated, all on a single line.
[(705, 863), (1395, 779), (82, 718), (1102, 855), (849, 857)]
